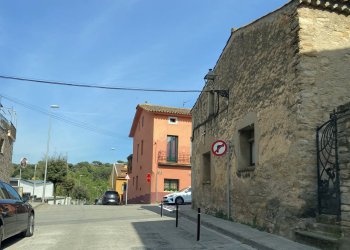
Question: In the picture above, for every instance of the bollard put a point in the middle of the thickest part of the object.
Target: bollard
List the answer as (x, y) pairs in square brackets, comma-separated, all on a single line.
[(177, 215), (198, 224), (161, 209)]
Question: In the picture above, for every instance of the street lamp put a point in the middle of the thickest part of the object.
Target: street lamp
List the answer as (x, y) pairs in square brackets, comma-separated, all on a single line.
[(47, 152), (113, 169)]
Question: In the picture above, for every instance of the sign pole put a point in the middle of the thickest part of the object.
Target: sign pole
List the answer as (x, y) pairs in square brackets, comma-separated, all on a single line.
[(126, 190), (20, 176)]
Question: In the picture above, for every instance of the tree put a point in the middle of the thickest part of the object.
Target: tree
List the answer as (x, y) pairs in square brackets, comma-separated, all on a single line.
[(80, 192), (68, 186), (56, 172)]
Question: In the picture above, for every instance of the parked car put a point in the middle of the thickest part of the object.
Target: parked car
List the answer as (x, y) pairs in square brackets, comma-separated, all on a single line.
[(16, 215), (110, 198), (180, 197)]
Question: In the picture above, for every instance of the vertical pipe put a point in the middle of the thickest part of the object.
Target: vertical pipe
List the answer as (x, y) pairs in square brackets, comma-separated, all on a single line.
[(199, 224), (337, 180), (177, 215), (318, 169)]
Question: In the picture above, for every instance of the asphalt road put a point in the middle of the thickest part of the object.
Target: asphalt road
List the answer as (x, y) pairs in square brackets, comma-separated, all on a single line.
[(116, 227)]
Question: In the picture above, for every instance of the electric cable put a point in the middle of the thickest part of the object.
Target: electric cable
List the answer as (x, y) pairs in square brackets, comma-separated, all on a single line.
[(69, 84), (65, 119)]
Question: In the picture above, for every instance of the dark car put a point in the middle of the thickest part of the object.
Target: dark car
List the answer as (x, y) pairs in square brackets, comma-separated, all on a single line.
[(110, 198), (16, 215)]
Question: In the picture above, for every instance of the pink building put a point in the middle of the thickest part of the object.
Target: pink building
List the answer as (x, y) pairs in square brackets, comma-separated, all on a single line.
[(161, 152)]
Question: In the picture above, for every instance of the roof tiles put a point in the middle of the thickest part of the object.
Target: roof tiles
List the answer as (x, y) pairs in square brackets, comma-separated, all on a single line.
[(164, 109), (342, 6)]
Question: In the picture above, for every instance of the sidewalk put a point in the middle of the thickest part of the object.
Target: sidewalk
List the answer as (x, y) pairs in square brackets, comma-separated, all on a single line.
[(245, 234), (35, 204)]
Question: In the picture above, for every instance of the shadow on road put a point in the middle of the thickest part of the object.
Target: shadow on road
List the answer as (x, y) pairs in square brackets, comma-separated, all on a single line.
[(10, 241), (157, 209)]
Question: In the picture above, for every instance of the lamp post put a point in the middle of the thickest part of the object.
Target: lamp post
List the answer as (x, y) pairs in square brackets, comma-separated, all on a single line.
[(47, 152), (34, 182), (113, 169)]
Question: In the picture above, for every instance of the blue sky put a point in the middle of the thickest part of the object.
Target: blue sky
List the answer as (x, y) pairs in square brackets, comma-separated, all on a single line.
[(121, 43)]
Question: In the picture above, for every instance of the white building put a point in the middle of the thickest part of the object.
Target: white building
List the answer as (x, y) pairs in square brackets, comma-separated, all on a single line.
[(33, 188)]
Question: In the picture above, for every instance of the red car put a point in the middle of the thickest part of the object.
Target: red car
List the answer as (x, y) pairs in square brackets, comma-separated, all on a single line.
[(16, 215)]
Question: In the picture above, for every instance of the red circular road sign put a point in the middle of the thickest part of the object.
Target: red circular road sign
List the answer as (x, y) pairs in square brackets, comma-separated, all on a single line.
[(219, 148)]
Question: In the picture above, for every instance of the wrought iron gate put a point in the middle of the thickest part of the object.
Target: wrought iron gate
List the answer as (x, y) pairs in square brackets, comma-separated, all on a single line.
[(328, 167)]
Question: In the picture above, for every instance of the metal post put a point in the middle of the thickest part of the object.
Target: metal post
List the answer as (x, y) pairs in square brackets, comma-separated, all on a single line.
[(20, 176), (113, 168), (126, 192), (177, 215), (46, 160), (161, 209), (199, 224), (34, 181)]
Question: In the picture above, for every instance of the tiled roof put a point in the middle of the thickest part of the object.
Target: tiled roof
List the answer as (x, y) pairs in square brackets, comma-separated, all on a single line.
[(164, 109), (121, 170), (342, 6)]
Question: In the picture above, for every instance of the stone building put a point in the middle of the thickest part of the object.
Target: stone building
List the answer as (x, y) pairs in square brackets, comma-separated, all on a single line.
[(277, 79), (7, 138)]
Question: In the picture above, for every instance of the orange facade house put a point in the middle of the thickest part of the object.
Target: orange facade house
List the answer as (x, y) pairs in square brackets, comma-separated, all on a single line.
[(161, 152)]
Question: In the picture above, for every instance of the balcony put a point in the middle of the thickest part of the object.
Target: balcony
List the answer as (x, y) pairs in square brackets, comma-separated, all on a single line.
[(183, 159)]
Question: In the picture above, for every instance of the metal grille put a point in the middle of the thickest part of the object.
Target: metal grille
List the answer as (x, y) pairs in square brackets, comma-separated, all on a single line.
[(328, 167)]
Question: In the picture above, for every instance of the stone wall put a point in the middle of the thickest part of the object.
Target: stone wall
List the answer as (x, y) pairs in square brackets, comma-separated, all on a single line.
[(6, 154), (281, 79), (344, 166)]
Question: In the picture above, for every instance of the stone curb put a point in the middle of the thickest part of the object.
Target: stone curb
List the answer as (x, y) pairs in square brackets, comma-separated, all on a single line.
[(260, 240)]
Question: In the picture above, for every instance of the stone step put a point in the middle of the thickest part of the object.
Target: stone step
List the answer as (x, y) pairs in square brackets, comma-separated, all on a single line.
[(334, 230), (318, 239), (327, 219)]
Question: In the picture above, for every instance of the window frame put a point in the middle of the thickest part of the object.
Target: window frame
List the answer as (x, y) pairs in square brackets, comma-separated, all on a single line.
[(246, 140), (172, 156), (206, 167), (173, 122), (169, 183), (2, 145)]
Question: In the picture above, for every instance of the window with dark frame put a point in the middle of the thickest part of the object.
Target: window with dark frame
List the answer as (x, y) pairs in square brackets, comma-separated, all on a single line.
[(206, 167), (171, 185), (2, 145), (172, 120), (251, 148), (247, 147), (172, 144), (137, 182), (141, 147)]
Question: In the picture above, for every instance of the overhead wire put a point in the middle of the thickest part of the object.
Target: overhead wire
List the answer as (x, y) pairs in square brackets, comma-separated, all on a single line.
[(99, 86), (65, 119)]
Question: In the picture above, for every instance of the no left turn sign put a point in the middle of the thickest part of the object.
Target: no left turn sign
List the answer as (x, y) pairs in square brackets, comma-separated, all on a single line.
[(219, 148)]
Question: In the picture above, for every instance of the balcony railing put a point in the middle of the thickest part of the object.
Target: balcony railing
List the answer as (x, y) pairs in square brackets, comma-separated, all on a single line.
[(182, 158)]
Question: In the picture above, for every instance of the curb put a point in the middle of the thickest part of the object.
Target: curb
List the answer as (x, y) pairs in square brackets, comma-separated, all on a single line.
[(248, 240), (36, 205), (240, 238)]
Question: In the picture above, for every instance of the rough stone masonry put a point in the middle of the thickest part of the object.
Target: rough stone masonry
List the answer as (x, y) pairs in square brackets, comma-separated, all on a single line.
[(285, 73)]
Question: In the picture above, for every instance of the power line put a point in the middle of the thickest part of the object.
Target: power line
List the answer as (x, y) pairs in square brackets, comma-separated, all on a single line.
[(102, 86), (65, 119)]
